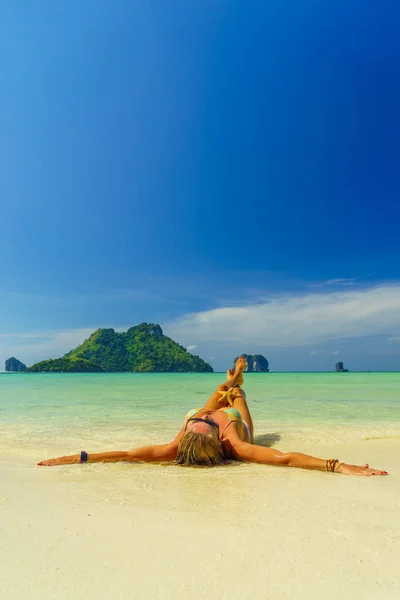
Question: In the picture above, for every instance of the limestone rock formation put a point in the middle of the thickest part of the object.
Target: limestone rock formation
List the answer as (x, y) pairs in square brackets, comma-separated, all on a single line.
[(14, 365), (340, 368), (256, 363)]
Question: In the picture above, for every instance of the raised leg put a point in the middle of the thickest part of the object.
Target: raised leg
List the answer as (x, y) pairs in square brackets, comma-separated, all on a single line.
[(234, 378), (241, 404), (235, 397), (218, 400)]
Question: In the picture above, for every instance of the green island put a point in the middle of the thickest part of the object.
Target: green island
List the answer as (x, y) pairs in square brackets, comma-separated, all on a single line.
[(143, 348)]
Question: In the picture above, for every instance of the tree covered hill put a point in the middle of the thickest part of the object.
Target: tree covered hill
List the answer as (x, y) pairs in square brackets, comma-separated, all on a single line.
[(66, 365), (142, 348)]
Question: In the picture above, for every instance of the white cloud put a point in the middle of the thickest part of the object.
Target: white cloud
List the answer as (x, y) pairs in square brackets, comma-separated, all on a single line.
[(317, 352), (335, 352), (190, 348), (394, 339), (296, 320), (32, 347), (341, 281), (22, 336)]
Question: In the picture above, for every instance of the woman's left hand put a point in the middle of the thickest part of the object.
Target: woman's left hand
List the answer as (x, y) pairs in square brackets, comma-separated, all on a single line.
[(363, 471)]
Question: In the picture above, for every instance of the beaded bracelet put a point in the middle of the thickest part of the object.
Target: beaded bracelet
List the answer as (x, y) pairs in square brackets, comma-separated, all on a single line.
[(330, 464)]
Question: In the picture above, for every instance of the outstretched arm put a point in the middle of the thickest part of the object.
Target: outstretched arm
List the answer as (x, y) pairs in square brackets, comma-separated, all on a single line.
[(260, 454), (160, 453)]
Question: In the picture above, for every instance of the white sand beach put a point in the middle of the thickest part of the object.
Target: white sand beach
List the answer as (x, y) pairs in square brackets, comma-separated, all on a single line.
[(244, 531)]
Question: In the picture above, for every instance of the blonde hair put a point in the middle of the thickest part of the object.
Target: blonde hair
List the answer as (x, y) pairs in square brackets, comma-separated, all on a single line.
[(199, 450)]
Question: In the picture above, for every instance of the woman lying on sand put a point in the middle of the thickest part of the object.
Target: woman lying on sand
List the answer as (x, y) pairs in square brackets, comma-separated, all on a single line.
[(215, 434)]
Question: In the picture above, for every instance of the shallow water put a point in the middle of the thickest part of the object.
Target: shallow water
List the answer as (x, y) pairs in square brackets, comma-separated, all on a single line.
[(64, 412)]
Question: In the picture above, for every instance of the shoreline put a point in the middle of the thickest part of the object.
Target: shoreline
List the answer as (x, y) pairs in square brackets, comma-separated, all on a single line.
[(270, 372)]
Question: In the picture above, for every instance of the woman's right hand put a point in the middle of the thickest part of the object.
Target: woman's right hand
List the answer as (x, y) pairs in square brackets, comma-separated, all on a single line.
[(363, 471), (61, 460)]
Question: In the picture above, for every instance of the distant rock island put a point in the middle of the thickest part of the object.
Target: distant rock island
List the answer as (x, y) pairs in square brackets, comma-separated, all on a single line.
[(143, 348), (256, 363), (14, 365), (340, 368)]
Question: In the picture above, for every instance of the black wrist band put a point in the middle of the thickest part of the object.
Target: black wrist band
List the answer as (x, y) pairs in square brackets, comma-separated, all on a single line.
[(84, 456)]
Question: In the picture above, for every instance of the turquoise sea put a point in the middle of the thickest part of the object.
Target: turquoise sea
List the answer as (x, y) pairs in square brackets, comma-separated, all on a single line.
[(44, 415)]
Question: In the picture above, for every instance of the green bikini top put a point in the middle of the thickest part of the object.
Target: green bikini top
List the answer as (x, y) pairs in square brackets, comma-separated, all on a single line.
[(232, 412)]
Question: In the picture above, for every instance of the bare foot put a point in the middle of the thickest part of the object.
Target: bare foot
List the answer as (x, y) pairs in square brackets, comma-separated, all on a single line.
[(241, 365), (230, 373)]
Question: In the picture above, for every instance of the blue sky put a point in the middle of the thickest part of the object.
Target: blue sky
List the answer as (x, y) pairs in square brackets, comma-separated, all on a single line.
[(227, 169)]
